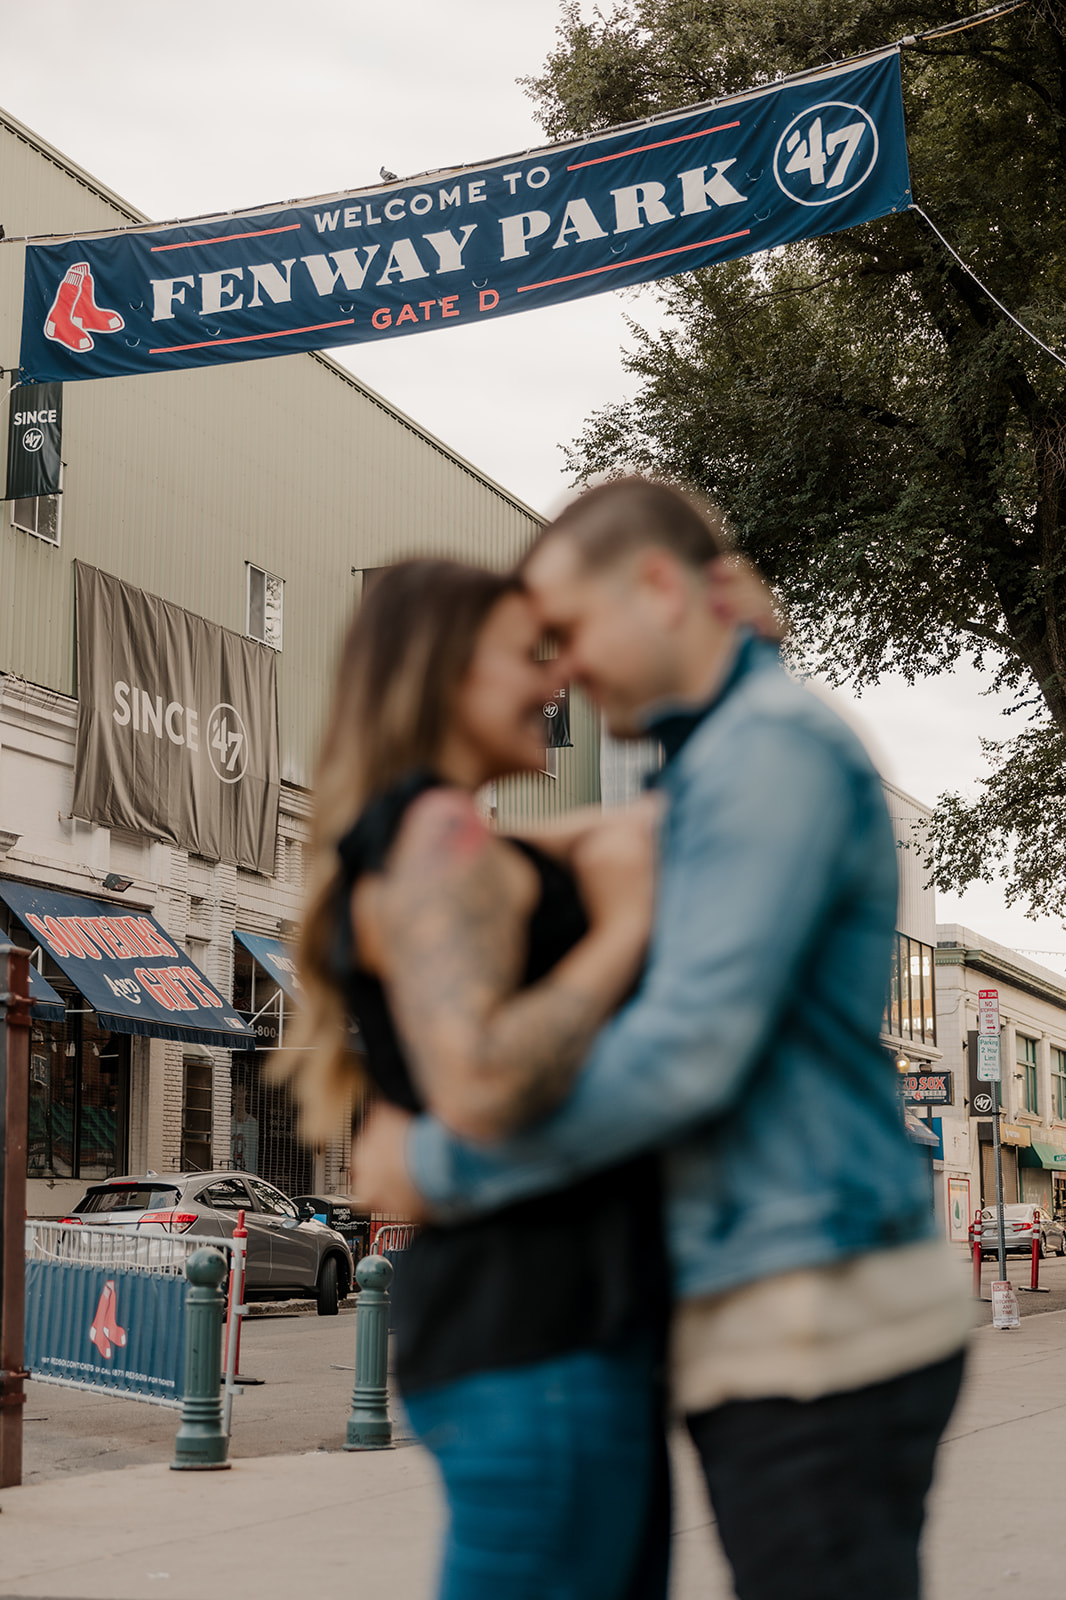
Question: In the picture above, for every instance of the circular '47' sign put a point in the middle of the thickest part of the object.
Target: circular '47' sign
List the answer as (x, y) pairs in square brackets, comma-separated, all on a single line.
[(825, 153)]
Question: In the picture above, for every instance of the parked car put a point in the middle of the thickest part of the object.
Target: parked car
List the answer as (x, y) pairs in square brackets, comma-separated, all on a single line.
[(1020, 1222), (288, 1254)]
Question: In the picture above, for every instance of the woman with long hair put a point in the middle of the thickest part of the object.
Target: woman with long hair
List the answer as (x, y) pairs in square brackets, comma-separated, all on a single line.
[(478, 969)]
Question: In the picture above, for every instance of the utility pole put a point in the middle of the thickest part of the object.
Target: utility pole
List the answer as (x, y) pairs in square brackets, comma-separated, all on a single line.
[(14, 1077), (989, 1070)]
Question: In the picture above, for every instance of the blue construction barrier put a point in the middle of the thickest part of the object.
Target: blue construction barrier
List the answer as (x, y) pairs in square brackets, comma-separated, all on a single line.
[(106, 1327), (105, 1309)]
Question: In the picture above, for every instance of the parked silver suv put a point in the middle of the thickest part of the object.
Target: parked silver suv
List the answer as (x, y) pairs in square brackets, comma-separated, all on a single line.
[(289, 1253)]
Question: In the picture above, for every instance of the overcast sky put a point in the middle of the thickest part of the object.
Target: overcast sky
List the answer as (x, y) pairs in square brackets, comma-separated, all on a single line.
[(202, 107)]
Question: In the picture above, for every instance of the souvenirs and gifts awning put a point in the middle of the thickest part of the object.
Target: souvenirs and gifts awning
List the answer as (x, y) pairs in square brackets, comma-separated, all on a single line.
[(132, 975), (45, 1004)]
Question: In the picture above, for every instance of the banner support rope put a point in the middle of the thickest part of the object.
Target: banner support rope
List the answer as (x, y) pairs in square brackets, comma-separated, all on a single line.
[(976, 19), (986, 290)]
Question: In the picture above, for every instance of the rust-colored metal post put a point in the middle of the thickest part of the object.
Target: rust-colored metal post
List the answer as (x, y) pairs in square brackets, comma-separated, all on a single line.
[(975, 1229), (14, 1094)]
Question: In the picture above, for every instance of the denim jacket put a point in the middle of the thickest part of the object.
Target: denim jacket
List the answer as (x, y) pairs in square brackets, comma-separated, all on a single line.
[(750, 1053)]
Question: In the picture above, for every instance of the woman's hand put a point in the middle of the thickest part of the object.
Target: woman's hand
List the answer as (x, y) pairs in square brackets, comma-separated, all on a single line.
[(614, 864), (380, 1180)]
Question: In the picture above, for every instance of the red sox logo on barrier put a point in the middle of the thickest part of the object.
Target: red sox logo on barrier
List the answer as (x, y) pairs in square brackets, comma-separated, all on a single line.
[(74, 315), (105, 1330)]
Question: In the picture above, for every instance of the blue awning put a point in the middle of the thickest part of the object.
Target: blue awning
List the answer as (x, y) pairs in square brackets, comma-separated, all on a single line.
[(133, 976), (275, 957), (45, 1004), (920, 1132)]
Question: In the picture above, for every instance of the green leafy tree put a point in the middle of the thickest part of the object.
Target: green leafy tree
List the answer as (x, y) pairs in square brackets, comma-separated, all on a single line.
[(889, 447)]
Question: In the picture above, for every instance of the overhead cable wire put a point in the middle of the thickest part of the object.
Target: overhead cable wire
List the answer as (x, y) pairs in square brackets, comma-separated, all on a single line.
[(985, 290), (961, 24), (977, 19)]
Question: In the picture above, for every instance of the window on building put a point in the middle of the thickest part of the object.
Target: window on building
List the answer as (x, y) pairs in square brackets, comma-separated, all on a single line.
[(1027, 1062), (1058, 1083), (39, 516), (266, 595), (197, 1106), (892, 1014), (911, 1009)]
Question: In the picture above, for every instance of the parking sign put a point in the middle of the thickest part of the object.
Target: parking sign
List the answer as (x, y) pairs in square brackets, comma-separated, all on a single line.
[(987, 1058)]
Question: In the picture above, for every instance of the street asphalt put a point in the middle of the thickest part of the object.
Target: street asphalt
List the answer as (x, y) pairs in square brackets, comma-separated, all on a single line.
[(295, 1512)]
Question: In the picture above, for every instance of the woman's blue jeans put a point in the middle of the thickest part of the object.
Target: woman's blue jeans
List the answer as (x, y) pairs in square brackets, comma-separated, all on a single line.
[(549, 1472)]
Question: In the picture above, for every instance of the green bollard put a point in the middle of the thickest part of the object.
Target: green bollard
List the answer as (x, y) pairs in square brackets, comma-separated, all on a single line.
[(369, 1427), (201, 1445)]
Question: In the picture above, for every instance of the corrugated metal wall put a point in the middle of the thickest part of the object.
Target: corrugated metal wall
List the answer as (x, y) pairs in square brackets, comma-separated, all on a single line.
[(537, 797), (916, 914), (175, 481)]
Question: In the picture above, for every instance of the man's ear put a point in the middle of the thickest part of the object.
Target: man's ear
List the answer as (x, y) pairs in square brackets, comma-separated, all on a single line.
[(738, 595), (664, 578)]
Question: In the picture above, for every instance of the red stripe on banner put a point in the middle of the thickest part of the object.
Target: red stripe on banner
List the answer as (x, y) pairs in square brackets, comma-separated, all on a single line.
[(630, 261), (243, 338), (660, 144), (224, 238)]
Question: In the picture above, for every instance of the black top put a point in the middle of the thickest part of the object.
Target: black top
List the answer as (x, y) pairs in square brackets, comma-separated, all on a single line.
[(581, 1267)]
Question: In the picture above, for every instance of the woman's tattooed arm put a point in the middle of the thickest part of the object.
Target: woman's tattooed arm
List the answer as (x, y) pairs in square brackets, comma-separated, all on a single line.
[(450, 928)]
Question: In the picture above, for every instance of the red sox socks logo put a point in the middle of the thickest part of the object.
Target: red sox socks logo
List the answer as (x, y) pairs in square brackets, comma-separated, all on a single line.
[(105, 1330), (74, 315)]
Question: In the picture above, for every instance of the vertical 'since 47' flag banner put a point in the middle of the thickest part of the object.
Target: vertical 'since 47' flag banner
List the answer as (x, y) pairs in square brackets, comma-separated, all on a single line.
[(177, 725), (748, 173)]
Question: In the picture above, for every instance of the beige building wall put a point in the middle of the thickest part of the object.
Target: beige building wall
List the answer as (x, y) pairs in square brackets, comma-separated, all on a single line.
[(175, 483)]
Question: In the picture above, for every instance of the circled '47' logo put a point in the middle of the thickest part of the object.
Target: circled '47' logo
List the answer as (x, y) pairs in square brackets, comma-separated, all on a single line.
[(825, 153), (227, 743)]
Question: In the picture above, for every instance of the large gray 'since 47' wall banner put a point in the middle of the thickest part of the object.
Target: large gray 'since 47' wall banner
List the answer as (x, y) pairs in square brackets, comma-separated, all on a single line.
[(177, 725)]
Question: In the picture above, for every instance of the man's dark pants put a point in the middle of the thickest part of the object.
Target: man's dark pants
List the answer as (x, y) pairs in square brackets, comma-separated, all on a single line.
[(824, 1499)]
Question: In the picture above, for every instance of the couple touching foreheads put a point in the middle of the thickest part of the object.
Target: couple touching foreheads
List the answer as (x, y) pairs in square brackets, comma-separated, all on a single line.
[(628, 1073)]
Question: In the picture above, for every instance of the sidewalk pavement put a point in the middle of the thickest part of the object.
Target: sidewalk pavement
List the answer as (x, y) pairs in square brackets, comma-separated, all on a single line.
[(276, 1526)]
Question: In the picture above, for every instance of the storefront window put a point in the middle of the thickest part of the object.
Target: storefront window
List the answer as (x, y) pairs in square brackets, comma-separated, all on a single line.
[(78, 1110), (263, 1136), (78, 1100)]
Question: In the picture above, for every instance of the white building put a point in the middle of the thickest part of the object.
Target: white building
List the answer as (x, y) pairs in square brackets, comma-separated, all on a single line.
[(1032, 1007)]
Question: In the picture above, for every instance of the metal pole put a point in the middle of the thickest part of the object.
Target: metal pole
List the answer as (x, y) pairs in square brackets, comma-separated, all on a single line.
[(201, 1445), (997, 1151), (14, 1093), (369, 1427), (234, 1313)]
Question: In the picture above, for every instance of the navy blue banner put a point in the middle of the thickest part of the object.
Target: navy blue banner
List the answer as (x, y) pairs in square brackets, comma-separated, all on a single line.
[(133, 976), (763, 169), (107, 1328)]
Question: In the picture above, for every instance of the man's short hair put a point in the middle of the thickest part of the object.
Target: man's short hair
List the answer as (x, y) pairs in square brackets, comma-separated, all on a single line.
[(611, 521)]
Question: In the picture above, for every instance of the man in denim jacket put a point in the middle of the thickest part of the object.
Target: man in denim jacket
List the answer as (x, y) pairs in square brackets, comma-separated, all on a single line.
[(818, 1337)]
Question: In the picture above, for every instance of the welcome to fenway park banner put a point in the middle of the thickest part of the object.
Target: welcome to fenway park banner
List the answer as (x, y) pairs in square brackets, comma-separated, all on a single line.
[(748, 173)]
